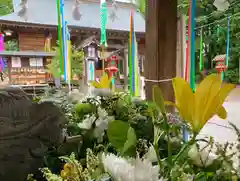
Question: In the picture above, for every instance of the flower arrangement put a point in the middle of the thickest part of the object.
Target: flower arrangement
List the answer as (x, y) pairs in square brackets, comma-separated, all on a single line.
[(127, 139)]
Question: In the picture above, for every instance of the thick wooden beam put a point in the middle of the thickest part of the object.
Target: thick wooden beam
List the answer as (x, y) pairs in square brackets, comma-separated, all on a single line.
[(161, 37)]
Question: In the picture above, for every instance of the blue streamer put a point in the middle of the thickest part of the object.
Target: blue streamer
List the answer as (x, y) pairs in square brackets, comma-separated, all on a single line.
[(133, 59), (192, 45), (228, 41), (91, 71), (64, 48)]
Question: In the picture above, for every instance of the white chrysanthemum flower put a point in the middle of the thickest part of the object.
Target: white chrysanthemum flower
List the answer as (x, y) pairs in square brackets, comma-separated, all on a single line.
[(151, 155), (202, 158), (117, 167), (87, 122), (130, 170), (102, 123)]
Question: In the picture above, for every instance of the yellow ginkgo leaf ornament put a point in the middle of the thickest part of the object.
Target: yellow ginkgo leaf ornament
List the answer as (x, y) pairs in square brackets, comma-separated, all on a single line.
[(199, 107), (104, 82)]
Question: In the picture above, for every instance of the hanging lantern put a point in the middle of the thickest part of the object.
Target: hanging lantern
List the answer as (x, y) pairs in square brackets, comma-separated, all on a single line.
[(112, 66), (220, 63), (221, 67), (91, 51)]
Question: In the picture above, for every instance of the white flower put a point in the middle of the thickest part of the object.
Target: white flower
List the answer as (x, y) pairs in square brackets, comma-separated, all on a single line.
[(87, 122), (122, 169), (117, 167), (151, 155), (102, 123), (202, 158), (102, 92)]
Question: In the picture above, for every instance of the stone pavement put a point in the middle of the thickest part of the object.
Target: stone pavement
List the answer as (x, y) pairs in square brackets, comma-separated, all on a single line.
[(219, 129)]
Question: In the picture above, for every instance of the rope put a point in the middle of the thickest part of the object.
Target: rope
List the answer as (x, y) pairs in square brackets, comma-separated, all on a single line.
[(157, 81), (217, 21)]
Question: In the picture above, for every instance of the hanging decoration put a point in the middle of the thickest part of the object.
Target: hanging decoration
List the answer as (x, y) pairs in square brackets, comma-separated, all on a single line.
[(227, 48), (189, 74), (47, 45), (201, 63), (228, 41), (64, 44), (192, 45), (113, 14), (103, 14), (76, 11), (2, 63), (111, 69), (186, 73), (23, 10), (60, 42), (68, 68), (190, 51), (132, 60)]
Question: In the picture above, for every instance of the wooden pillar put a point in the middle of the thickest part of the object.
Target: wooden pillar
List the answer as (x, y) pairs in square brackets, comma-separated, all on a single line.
[(181, 46), (161, 37)]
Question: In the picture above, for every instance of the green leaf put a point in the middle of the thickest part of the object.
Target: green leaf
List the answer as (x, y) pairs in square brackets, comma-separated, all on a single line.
[(131, 140), (122, 136), (158, 98)]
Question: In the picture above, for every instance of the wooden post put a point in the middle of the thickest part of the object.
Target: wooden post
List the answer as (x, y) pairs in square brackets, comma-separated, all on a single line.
[(161, 37), (181, 46)]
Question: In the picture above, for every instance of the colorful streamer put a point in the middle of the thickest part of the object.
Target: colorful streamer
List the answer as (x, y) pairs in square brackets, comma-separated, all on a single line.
[(186, 74), (64, 44), (69, 55), (192, 45), (64, 39), (60, 35), (133, 60), (130, 55), (190, 53), (227, 46), (136, 67), (201, 64), (228, 41), (2, 63), (103, 16), (91, 69)]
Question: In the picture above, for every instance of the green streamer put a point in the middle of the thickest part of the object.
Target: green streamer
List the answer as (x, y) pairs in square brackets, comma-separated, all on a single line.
[(103, 17), (201, 51), (60, 36)]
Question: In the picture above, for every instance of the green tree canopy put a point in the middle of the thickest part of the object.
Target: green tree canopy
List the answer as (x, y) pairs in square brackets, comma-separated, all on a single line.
[(5, 7)]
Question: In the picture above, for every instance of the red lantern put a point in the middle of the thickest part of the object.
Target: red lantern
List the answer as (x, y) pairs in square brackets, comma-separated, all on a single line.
[(112, 66), (221, 67)]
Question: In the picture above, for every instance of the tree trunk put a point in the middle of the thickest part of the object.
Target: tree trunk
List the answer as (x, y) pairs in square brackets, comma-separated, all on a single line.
[(161, 37)]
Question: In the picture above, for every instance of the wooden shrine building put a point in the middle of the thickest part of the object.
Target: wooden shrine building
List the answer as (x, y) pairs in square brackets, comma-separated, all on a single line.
[(40, 23)]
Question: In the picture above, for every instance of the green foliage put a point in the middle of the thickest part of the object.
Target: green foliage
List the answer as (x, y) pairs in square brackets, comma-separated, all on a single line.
[(54, 66), (77, 58), (77, 62), (6, 7), (122, 136), (11, 45), (214, 26)]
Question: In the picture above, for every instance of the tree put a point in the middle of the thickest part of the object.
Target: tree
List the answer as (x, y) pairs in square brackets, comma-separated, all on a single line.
[(214, 26), (77, 59), (6, 7)]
